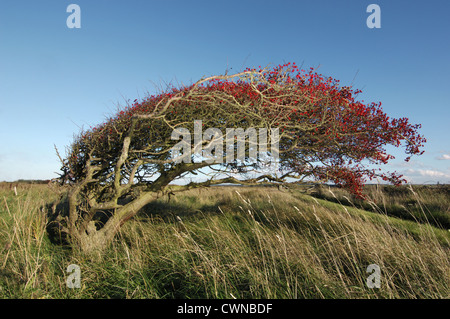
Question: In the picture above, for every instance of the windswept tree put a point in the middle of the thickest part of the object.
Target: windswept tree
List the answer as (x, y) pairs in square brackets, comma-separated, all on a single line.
[(320, 131)]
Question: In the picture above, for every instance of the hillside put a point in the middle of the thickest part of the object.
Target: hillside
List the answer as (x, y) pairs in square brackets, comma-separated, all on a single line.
[(231, 242)]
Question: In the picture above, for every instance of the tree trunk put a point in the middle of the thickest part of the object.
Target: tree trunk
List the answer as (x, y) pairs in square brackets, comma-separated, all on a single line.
[(91, 240)]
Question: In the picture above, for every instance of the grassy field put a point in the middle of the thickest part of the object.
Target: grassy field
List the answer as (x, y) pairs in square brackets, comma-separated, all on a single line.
[(231, 242)]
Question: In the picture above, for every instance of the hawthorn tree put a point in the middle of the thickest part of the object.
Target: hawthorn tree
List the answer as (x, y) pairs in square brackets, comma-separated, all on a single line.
[(114, 169)]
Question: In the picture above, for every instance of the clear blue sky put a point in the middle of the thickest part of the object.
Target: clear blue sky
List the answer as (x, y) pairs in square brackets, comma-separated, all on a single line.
[(53, 79)]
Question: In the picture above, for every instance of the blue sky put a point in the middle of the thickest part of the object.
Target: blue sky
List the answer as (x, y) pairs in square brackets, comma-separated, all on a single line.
[(54, 80)]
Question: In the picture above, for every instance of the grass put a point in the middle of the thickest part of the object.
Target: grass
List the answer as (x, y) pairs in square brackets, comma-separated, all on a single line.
[(428, 204), (231, 242)]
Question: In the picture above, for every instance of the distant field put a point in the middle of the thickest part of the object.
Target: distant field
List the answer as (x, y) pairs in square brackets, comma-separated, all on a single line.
[(226, 242)]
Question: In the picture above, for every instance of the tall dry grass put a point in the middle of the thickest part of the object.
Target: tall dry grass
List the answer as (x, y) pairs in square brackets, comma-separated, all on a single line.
[(227, 242)]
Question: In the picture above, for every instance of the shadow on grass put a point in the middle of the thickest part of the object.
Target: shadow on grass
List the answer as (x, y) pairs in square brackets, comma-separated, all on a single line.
[(404, 206), (168, 211), (187, 207)]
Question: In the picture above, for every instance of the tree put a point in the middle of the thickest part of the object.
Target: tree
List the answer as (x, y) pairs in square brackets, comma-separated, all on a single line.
[(116, 168)]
